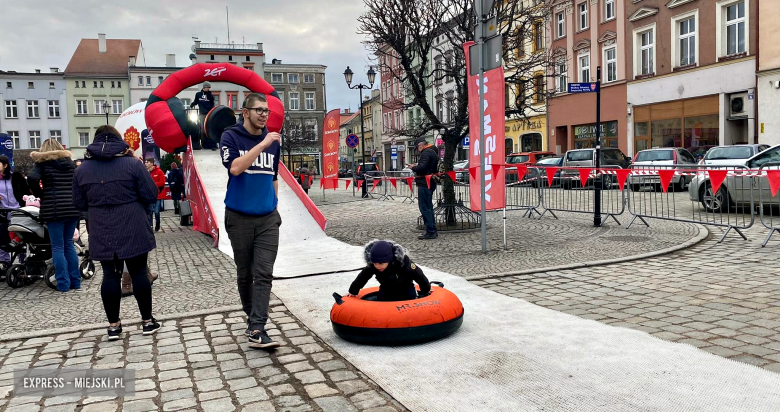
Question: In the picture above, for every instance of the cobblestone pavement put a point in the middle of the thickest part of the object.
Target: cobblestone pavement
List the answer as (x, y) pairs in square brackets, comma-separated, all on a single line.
[(203, 364)]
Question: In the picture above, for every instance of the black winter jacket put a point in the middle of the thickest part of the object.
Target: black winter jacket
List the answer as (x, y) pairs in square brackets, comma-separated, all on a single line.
[(204, 101), (428, 165), (176, 183), (115, 188), (55, 170), (396, 278)]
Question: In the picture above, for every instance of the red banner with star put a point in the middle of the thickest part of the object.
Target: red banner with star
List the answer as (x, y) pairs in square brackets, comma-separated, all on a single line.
[(330, 149)]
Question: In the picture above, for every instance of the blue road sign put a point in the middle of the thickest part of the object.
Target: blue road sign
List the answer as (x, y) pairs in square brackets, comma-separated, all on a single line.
[(352, 141), (465, 142), (583, 87)]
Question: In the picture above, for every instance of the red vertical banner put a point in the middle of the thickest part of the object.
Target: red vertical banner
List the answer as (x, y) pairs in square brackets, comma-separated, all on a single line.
[(330, 149), (495, 183), (204, 219)]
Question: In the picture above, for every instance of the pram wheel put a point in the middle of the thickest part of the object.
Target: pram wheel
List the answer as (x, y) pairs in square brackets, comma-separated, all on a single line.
[(87, 269), (49, 277), (3, 268), (15, 275)]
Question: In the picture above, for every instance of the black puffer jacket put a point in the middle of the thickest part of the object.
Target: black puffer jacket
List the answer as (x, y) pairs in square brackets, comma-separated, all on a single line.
[(397, 277), (428, 165), (55, 170)]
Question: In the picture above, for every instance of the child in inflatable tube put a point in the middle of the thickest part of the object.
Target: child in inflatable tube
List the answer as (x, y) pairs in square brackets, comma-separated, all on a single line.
[(394, 270)]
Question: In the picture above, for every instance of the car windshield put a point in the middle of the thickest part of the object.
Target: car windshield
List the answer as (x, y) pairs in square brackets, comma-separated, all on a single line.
[(579, 156), (651, 155), (735, 152), (460, 165), (550, 161), (517, 159)]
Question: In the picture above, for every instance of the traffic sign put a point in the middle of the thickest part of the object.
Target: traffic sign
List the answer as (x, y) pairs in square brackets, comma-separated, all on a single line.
[(465, 142), (352, 141), (583, 87)]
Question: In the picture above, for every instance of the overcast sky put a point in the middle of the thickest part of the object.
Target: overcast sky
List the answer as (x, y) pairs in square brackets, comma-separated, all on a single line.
[(45, 33)]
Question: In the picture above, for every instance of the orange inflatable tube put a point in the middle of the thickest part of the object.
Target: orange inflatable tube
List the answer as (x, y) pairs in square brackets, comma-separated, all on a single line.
[(362, 319)]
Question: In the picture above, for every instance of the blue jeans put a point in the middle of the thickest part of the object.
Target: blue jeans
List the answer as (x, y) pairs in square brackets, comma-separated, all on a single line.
[(425, 202), (66, 261), (154, 209)]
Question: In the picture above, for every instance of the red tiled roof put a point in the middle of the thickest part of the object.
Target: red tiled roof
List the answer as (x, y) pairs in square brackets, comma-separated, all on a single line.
[(347, 118), (88, 60)]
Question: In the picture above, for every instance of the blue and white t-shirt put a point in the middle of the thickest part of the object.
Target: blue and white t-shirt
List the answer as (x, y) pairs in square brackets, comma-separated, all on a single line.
[(252, 192)]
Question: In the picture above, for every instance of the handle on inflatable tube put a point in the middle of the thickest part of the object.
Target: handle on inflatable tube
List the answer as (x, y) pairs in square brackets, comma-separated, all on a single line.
[(338, 298), (437, 283)]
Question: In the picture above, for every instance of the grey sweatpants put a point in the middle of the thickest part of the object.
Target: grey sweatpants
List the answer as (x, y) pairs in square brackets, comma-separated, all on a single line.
[(255, 241)]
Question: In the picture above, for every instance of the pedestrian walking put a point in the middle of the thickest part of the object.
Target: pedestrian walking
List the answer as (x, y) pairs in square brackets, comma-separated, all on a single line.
[(176, 184), (159, 180), (54, 168), (303, 177), (428, 165), (205, 102), (13, 189), (251, 155), (115, 187)]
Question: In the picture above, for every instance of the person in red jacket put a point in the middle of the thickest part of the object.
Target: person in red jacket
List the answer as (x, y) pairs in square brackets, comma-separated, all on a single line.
[(159, 179)]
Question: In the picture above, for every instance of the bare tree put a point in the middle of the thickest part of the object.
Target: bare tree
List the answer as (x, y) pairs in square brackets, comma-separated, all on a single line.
[(296, 138), (409, 31)]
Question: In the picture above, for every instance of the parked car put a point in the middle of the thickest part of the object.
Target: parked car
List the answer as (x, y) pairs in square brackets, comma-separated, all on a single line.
[(537, 175), (732, 155), (370, 170), (736, 190), (461, 169), (610, 158), (525, 158), (699, 152), (650, 158)]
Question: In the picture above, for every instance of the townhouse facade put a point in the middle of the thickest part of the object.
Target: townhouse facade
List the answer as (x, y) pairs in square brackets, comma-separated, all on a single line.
[(768, 75), (144, 79)]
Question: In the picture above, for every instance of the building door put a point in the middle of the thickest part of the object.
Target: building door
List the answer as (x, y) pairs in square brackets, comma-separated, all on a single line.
[(641, 136)]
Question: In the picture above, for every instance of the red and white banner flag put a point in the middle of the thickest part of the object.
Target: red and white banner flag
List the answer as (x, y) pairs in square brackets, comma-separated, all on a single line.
[(495, 184), (330, 149)]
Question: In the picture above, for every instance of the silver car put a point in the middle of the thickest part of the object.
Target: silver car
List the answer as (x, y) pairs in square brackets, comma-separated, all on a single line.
[(665, 157), (732, 155), (738, 189)]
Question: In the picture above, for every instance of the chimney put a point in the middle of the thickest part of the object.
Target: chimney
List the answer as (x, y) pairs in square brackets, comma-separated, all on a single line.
[(131, 62), (37, 70), (260, 47), (170, 60), (197, 44), (102, 42), (54, 69)]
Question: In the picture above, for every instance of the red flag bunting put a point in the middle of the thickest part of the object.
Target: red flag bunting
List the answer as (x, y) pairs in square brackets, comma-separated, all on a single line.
[(666, 178), (521, 171), (335, 183), (409, 181), (496, 171), (716, 179), (622, 175), (311, 178), (393, 181), (584, 175), (359, 184), (774, 180), (551, 171), (428, 180), (322, 182), (473, 172), (348, 182), (376, 181), (451, 175)]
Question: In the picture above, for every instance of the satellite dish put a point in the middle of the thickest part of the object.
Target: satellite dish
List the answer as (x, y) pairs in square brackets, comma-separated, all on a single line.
[(192, 49), (192, 56)]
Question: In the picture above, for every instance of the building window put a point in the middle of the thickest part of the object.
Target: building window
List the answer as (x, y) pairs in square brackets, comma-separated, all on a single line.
[(440, 110), (538, 89), (451, 109), (186, 103), (81, 107), (584, 65), (448, 65), (83, 139), (212, 57), (99, 106), (735, 28), (438, 73), (583, 8), (309, 100), (292, 78), (117, 106), (101, 84), (159, 80), (276, 78), (646, 52), (294, 101), (94, 84), (538, 36), (560, 78), (11, 111), (51, 85), (113, 84), (148, 80), (140, 80), (560, 28), (310, 129), (119, 84), (247, 58), (83, 84), (30, 85), (10, 85), (281, 96), (32, 109), (56, 135), (15, 137), (610, 58), (308, 78), (687, 41), (77, 84), (35, 139), (609, 10), (54, 108)]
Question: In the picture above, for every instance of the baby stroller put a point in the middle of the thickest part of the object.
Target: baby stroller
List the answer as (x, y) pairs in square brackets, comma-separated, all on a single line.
[(32, 240)]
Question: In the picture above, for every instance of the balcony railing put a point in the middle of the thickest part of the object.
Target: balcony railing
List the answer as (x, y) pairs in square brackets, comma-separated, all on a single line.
[(233, 46)]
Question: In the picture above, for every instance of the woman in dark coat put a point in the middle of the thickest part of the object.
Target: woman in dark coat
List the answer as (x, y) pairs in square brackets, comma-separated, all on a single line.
[(13, 188), (54, 168), (116, 189), (176, 183)]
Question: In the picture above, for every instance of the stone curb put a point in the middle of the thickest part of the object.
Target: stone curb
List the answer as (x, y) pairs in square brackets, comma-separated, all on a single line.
[(92, 326), (700, 237)]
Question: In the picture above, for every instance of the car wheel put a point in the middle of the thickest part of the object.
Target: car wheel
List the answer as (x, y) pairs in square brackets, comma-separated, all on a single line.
[(635, 187), (718, 202)]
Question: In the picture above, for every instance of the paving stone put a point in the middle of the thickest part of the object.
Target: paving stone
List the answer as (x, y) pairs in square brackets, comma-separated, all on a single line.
[(298, 366), (339, 376), (291, 358), (251, 395), (353, 386), (101, 407), (207, 385), (331, 365), (284, 389), (237, 373), (176, 395), (288, 401), (173, 374), (244, 383), (312, 376), (259, 407), (259, 362), (335, 404), (218, 405), (180, 404), (320, 357), (317, 390), (206, 373), (176, 384), (139, 406), (207, 396)]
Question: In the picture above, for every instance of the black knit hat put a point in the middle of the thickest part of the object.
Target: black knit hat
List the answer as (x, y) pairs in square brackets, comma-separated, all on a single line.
[(382, 252), (420, 140)]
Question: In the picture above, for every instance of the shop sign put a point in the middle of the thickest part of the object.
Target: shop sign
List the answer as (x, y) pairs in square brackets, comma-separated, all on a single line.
[(523, 125), (588, 131)]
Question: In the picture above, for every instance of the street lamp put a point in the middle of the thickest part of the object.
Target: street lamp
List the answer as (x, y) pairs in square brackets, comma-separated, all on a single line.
[(106, 106), (371, 77), (286, 130)]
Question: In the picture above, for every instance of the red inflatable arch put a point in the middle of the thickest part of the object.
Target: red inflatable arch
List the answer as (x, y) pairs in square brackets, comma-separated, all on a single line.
[(165, 125)]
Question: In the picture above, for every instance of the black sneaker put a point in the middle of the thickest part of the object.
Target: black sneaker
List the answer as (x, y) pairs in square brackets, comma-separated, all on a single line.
[(248, 332), (114, 332), (428, 236), (259, 339), (151, 327)]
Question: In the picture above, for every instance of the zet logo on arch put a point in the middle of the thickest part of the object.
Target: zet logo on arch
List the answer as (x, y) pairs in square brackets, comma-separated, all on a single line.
[(215, 72)]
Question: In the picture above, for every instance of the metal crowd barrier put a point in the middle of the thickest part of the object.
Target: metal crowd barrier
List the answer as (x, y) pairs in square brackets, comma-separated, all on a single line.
[(523, 192), (401, 188), (568, 194), (769, 206), (690, 196)]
